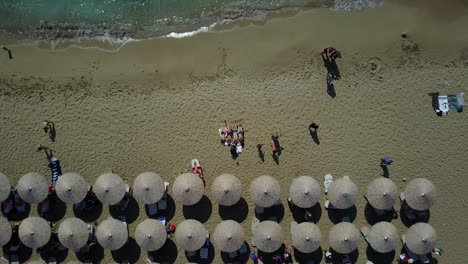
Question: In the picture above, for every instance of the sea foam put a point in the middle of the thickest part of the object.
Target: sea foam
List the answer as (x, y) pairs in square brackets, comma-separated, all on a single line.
[(349, 5)]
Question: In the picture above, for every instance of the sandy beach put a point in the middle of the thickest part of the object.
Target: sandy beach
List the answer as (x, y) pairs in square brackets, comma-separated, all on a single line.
[(155, 105)]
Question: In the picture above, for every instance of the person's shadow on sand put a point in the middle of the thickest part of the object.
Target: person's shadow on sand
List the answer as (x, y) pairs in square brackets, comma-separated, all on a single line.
[(331, 90), (314, 135)]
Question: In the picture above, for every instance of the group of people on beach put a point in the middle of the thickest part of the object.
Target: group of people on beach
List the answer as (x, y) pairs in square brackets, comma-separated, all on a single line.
[(232, 136)]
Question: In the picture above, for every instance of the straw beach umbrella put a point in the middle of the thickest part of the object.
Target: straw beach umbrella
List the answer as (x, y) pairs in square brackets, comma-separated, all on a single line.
[(148, 188), (268, 236), (420, 194), (34, 232), (150, 235), (188, 189), (306, 237), (190, 235), (228, 236), (227, 189), (109, 188), (5, 231), (73, 233), (265, 191), (382, 193), (71, 188), (112, 234), (344, 237), (343, 193), (32, 188), (5, 187), (383, 237), (304, 191), (421, 238)]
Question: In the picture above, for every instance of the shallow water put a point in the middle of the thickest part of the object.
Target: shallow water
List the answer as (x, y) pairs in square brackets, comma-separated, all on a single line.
[(56, 19)]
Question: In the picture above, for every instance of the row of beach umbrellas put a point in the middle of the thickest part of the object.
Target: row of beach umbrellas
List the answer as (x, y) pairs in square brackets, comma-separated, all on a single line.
[(228, 236), (188, 188)]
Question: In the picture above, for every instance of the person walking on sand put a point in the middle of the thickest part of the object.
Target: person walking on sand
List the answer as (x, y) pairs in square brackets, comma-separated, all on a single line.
[(313, 126), (49, 127)]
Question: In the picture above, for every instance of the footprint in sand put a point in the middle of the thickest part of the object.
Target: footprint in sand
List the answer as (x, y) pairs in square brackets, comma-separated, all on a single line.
[(374, 65)]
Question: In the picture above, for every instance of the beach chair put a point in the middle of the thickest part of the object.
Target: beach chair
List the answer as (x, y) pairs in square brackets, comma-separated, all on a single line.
[(152, 209), (443, 104), (259, 209), (327, 182), (14, 259), (204, 250), (162, 204), (255, 223), (365, 232), (244, 248), (162, 219), (329, 205), (233, 255)]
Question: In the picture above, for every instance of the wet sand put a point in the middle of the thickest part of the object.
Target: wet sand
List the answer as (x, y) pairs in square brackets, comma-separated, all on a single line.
[(157, 104)]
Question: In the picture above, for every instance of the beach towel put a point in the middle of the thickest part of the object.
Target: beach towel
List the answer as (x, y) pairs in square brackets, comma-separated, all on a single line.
[(452, 102), (443, 104), (461, 101), (56, 170)]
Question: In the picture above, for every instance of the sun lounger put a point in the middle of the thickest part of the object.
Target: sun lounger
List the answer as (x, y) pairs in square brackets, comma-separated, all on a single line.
[(204, 249), (452, 102), (424, 259), (273, 218), (21, 208), (259, 209), (191, 253), (460, 101), (162, 219), (410, 253), (421, 213), (365, 232), (243, 249), (14, 259), (443, 104), (233, 254), (152, 209), (123, 220), (255, 223), (329, 205), (410, 213), (328, 182), (346, 219), (162, 204)]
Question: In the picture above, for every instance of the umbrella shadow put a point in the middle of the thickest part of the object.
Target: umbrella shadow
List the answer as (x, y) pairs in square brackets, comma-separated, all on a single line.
[(339, 215), (53, 252), (274, 213), (17, 216), (166, 254), (377, 257), (267, 258), (337, 258), (56, 211), (373, 218), (168, 213), (200, 211), (131, 213), (240, 258), (94, 255), (22, 254), (299, 213), (197, 259), (92, 214), (129, 253), (237, 212), (417, 216), (316, 256)]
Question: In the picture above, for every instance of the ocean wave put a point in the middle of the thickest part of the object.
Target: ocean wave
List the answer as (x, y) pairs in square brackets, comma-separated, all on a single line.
[(350, 5), (190, 33)]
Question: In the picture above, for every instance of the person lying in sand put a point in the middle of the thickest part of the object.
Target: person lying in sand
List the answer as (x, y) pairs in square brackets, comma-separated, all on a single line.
[(330, 54)]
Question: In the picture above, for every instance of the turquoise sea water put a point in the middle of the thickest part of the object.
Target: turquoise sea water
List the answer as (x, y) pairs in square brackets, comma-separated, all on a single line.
[(49, 19)]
